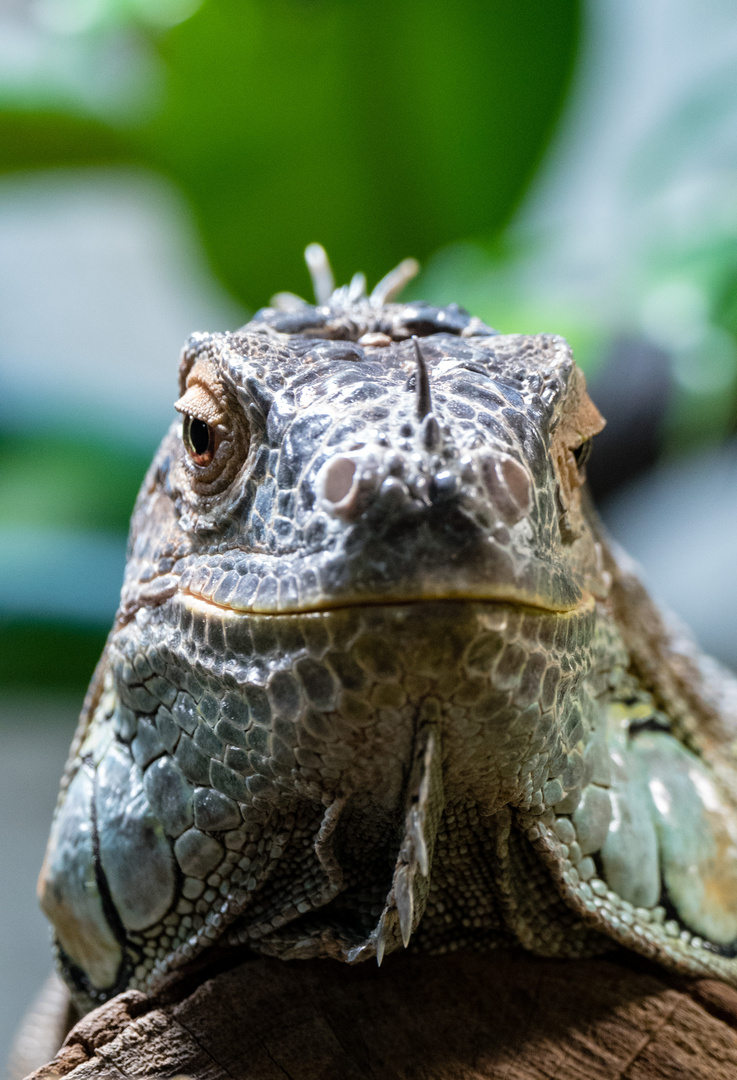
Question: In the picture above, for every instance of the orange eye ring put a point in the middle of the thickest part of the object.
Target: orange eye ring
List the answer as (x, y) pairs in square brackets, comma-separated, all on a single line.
[(199, 440), (215, 433)]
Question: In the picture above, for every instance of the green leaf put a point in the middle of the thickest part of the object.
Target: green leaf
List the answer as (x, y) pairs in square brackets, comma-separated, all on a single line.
[(381, 129), (63, 481), (38, 655)]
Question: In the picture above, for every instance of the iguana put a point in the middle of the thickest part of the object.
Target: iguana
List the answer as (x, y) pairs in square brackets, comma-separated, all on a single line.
[(378, 680)]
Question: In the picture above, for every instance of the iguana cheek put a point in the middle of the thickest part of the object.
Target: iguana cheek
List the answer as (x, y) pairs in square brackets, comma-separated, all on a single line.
[(697, 838), (135, 854), (109, 868), (630, 853), (69, 892)]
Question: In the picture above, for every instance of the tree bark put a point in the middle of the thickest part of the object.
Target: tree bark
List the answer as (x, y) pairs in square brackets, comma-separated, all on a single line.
[(456, 1017)]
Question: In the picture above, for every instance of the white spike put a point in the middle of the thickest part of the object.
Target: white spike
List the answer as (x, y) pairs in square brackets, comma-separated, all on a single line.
[(318, 264), (287, 301), (357, 287), (417, 832), (380, 941), (405, 901), (394, 282)]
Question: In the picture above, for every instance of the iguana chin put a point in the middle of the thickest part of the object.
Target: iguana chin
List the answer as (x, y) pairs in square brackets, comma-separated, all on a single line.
[(378, 680)]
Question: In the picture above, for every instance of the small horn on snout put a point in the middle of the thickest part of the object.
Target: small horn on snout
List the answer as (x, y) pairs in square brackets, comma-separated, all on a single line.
[(423, 399)]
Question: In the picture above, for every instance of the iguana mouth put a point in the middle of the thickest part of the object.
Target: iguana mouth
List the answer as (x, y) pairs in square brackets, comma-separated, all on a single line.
[(204, 605)]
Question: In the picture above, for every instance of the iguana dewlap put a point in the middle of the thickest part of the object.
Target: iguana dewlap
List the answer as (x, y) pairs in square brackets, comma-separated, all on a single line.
[(377, 680)]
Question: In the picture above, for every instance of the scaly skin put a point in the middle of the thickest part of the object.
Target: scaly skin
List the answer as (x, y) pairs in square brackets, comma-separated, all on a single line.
[(377, 679)]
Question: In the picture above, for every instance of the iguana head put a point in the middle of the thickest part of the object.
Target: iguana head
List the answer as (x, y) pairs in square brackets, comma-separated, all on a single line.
[(365, 452), (365, 640)]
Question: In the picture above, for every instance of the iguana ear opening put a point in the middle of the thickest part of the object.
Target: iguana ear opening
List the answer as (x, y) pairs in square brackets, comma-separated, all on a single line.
[(579, 422)]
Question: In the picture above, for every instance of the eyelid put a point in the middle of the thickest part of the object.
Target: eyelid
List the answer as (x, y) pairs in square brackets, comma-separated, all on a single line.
[(198, 402)]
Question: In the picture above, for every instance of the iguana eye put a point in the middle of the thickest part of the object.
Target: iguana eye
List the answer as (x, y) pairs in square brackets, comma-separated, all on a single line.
[(582, 453), (215, 433), (200, 440)]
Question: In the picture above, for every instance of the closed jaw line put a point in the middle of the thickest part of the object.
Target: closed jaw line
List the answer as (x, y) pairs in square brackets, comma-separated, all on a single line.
[(203, 606)]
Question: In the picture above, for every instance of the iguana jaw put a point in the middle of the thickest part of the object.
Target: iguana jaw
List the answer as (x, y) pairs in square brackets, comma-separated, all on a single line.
[(205, 607)]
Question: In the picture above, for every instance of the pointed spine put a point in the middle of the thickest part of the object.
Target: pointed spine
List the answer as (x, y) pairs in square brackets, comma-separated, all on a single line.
[(380, 941), (423, 399), (405, 902), (393, 283), (318, 264)]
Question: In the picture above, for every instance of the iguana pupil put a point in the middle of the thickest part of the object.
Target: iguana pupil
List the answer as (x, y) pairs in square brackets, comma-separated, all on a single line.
[(376, 679), (582, 453), (198, 437)]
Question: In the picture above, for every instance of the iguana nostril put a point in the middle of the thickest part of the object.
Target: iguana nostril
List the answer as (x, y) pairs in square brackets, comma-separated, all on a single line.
[(508, 484), (337, 479), (517, 480), (337, 483)]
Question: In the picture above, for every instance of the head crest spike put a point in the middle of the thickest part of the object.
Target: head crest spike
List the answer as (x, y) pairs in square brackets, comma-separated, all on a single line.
[(357, 287), (423, 400), (391, 285), (318, 264), (287, 301)]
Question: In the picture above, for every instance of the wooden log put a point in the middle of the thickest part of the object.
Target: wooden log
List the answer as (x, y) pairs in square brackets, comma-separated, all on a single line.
[(457, 1017)]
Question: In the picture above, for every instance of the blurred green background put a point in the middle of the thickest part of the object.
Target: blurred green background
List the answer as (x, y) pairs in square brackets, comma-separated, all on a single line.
[(557, 165), (163, 164)]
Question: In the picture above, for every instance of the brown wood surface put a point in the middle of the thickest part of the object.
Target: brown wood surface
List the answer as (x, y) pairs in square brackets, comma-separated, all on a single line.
[(459, 1017)]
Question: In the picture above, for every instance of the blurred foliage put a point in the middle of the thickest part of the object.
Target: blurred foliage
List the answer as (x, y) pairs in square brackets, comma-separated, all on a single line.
[(381, 129), (684, 301), (48, 655), (494, 282), (38, 139), (689, 309), (62, 479)]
